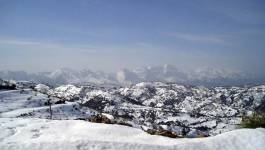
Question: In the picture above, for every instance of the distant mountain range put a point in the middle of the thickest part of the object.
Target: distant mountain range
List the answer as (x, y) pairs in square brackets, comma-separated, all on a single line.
[(168, 73)]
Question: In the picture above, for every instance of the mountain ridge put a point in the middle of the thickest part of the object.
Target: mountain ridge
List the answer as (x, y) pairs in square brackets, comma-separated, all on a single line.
[(205, 76)]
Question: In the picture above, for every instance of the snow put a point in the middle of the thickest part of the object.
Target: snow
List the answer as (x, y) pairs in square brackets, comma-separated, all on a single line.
[(42, 88), (67, 92), (42, 134), (17, 99), (69, 89), (108, 116), (61, 111), (17, 103), (94, 93)]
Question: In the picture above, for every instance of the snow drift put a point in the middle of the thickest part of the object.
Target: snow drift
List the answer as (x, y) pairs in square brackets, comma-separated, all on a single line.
[(42, 134)]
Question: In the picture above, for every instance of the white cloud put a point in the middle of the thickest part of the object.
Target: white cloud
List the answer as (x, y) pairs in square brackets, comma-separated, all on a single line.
[(144, 44), (18, 42), (197, 38), (47, 45)]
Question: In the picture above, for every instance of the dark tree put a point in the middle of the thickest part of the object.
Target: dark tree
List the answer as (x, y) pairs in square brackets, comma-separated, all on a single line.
[(50, 106)]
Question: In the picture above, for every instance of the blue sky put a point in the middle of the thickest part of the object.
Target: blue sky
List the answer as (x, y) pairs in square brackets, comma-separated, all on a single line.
[(39, 35)]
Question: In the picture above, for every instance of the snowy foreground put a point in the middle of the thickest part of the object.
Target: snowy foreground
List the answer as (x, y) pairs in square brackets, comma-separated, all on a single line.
[(42, 134)]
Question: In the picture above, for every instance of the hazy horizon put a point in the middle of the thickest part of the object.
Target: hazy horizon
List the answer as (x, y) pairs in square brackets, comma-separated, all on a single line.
[(110, 35)]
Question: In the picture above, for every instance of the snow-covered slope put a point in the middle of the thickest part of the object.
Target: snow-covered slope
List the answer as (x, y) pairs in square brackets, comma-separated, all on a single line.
[(30, 103), (183, 110), (41, 134), (18, 99)]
